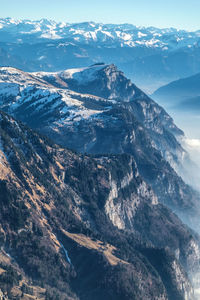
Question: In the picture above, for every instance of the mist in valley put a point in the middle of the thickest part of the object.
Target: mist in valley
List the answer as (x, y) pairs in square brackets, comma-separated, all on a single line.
[(189, 122)]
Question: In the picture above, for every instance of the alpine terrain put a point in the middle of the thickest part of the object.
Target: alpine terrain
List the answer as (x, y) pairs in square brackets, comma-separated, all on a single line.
[(93, 198), (99, 111)]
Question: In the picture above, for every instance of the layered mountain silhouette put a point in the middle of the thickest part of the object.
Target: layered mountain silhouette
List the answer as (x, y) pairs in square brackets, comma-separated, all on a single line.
[(183, 94), (150, 56)]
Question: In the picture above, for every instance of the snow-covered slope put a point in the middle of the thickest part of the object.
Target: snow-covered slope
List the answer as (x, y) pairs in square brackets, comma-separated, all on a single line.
[(36, 97), (80, 75), (77, 93), (16, 76)]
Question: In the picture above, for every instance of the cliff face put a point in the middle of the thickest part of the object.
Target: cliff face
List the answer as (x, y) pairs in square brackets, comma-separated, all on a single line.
[(76, 227)]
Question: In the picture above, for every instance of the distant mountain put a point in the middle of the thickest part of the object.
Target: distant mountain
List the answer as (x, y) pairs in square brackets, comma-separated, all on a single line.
[(99, 111), (150, 56), (183, 93), (122, 35), (77, 227)]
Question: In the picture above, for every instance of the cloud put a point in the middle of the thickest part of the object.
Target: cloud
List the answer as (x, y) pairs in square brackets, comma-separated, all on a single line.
[(191, 164)]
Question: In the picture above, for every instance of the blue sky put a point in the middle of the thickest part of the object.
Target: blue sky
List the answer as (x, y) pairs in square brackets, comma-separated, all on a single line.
[(159, 13)]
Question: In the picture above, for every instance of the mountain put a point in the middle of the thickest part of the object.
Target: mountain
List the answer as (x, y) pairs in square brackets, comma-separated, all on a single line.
[(183, 93), (150, 56), (122, 35), (97, 110), (77, 227)]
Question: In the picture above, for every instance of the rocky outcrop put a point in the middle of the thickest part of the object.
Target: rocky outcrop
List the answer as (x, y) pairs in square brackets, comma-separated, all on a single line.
[(122, 212)]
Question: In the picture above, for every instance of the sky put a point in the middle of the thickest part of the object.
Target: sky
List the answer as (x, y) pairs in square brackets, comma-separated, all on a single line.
[(182, 14)]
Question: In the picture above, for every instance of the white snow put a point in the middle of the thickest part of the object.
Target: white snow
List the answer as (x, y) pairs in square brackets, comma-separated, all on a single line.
[(25, 90), (51, 35), (42, 57), (107, 33), (140, 34), (82, 75)]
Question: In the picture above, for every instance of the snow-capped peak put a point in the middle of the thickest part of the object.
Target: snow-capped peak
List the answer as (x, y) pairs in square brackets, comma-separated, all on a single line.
[(121, 35)]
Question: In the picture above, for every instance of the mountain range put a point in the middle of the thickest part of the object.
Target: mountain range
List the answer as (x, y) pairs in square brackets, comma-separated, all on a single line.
[(149, 56), (108, 34)]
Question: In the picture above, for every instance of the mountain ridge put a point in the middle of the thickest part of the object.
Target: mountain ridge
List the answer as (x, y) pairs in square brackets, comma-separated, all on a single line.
[(182, 92), (121, 119)]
